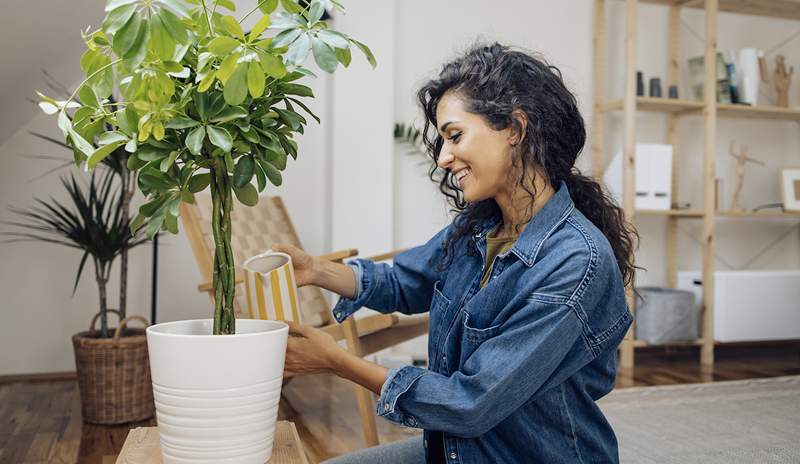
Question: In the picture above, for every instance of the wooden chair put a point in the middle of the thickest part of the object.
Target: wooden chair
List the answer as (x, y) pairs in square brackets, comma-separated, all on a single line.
[(255, 229)]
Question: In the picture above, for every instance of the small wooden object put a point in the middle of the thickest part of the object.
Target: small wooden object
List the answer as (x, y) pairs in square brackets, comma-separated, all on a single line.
[(782, 80), (741, 160), (142, 446)]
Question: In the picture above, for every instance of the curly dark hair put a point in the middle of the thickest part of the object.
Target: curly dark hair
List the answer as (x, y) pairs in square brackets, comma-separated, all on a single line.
[(497, 83)]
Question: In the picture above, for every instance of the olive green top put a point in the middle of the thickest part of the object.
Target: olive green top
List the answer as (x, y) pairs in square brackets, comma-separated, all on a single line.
[(495, 246)]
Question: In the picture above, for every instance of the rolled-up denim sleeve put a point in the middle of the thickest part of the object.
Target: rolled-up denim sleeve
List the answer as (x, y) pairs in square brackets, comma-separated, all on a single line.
[(538, 347), (405, 286)]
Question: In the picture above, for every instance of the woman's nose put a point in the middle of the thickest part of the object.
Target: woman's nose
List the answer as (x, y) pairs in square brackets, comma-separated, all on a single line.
[(445, 160)]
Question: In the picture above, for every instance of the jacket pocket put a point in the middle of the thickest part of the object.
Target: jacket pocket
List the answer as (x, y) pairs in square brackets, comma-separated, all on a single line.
[(476, 334)]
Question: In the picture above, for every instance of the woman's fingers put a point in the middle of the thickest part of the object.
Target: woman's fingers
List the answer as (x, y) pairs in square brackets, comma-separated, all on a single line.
[(297, 329)]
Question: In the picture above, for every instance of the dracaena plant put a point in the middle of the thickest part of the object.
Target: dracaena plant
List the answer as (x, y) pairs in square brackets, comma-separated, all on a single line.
[(203, 105)]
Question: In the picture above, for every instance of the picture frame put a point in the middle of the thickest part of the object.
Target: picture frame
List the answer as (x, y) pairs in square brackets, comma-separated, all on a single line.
[(790, 189)]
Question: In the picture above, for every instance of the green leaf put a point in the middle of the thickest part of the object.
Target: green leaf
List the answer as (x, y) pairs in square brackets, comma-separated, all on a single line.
[(181, 122), (258, 28), (268, 6), (272, 65), (199, 182), (148, 152), (272, 173), (229, 114), (101, 153), (235, 90), (286, 37), (344, 56), (171, 223), (366, 51), (125, 38), (333, 39), (291, 6), (117, 18), (137, 222), (177, 7), (316, 11), (161, 42), (194, 141), (174, 26), (155, 180), (247, 195), (223, 45), (291, 118), (307, 110), (220, 137), (150, 208), (261, 179), (232, 26), (167, 163), (298, 50), (255, 79), (112, 5), (227, 67), (324, 56), (111, 137), (88, 97), (227, 4), (243, 172), (138, 50)]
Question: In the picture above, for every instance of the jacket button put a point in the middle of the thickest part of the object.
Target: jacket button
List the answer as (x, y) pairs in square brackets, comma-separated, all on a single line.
[(386, 407), (338, 314), (453, 455)]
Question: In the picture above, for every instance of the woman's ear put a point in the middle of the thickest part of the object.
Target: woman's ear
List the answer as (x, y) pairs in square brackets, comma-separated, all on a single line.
[(518, 126)]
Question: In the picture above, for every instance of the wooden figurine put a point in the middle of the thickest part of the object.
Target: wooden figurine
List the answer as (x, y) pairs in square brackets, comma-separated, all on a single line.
[(782, 81), (741, 159)]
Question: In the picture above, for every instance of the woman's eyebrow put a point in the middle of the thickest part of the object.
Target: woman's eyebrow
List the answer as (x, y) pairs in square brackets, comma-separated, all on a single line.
[(444, 126)]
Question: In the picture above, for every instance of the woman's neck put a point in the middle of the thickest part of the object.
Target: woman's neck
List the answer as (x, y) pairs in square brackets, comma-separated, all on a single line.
[(518, 212)]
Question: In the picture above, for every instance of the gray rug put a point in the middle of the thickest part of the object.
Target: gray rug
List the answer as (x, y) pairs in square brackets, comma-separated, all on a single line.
[(743, 421)]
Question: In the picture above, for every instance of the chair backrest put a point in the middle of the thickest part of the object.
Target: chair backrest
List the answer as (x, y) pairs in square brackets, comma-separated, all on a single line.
[(254, 229)]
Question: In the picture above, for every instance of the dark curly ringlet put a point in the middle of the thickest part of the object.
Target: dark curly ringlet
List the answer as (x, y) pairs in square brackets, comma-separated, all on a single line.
[(494, 81)]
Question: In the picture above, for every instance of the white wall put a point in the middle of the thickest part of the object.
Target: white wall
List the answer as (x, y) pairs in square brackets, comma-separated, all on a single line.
[(352, 187)]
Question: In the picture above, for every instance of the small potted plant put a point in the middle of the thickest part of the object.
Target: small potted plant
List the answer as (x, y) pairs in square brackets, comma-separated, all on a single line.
[(205, 105), (113, 371)]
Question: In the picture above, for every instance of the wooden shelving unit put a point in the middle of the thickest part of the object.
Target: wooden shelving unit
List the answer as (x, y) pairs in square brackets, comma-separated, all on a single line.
[(675, 109)]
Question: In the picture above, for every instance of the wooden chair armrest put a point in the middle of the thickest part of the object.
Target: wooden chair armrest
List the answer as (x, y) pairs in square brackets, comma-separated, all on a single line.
[(389, 255), (209, 286), (340, 255), (364, 325)]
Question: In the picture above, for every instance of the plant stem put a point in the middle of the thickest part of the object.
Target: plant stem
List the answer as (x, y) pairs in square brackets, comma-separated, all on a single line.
[(127, 194), (101, 287), (223, 279), (208, 18)]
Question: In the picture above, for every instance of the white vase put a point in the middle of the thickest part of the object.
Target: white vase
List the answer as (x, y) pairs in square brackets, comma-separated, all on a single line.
[(217, 396), (749, 77)]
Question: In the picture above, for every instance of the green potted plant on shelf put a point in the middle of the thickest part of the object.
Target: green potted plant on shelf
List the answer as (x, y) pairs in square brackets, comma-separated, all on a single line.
[(204, 105), (113, 372)]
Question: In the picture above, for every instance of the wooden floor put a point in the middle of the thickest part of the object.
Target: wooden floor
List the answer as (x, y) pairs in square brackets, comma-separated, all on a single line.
[(40, 422)]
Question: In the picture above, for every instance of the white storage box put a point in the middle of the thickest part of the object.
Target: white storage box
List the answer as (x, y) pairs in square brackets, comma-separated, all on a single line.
[(751, 305)]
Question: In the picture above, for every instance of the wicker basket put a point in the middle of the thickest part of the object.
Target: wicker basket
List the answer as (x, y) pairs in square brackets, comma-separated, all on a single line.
[(114, 375)]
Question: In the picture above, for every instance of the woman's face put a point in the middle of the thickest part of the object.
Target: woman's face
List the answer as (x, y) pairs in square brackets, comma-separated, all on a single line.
[(478, 156)]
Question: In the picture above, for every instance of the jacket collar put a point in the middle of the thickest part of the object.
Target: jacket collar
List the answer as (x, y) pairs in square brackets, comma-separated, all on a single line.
[(543, 223)]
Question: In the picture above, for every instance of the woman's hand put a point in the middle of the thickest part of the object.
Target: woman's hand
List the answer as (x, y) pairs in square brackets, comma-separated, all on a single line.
[(310, 351), (305, 265)]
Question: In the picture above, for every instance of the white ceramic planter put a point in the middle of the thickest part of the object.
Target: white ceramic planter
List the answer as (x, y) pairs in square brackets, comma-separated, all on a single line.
[(217, 396)]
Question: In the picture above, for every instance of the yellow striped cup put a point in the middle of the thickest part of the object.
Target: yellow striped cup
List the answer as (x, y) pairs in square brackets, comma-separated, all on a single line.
[(270, 286)]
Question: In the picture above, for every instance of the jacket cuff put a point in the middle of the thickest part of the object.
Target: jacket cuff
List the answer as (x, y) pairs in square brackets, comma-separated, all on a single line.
[(398, 382), (345, 307)]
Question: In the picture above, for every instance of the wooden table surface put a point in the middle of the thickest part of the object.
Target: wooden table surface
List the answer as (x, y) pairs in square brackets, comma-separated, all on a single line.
[(142, 446)]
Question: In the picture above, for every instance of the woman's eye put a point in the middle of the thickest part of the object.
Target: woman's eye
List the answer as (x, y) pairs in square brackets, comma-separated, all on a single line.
[(455, 137)]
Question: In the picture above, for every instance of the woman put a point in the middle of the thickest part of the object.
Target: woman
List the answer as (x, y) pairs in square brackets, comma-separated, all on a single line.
[(525, 288)]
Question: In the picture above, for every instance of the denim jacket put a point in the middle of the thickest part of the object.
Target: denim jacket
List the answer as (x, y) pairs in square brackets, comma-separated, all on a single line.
[(515, 367)]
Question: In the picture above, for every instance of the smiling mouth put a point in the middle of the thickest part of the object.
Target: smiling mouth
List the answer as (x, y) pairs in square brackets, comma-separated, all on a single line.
[(461, 175)]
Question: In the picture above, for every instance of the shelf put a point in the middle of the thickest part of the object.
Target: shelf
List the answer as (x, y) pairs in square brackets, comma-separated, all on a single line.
[(757, 214), (784, 9), (698, 214), (641, 343), (668, 105), (687, 213)]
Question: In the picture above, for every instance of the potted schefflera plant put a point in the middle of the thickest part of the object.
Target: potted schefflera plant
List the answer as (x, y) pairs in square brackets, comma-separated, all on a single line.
[(207, 105)]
